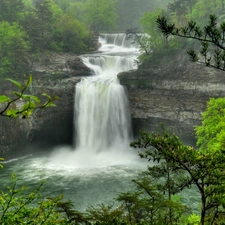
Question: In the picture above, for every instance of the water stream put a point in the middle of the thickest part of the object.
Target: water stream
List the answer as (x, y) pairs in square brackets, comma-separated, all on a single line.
[(102, 118), (100, 164)]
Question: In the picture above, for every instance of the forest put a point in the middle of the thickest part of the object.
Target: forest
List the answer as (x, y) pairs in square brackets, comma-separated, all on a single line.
[(29, 29)]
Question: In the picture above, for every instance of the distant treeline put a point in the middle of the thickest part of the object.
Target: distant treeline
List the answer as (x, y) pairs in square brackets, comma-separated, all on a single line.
[(29, 28), (126, 12)]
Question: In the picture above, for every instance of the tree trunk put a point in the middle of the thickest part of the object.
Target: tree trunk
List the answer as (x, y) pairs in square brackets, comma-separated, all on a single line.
[(203, 209)]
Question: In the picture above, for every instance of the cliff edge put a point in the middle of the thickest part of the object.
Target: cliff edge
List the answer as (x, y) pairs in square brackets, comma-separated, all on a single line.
[(172, 91)]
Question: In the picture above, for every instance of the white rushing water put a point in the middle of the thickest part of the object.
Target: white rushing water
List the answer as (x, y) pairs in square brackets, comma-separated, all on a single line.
[(102, 117), (100, 164)]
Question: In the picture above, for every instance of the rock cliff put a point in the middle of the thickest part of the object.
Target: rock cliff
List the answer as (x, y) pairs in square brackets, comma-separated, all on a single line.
[(56, 75), (172, 91)]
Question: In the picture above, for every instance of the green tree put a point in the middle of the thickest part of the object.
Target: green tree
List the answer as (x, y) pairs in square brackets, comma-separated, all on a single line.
[(130, 11), (155, 39), (16, 207), (70, 35), (151, 42), (73, 8), (100, 14), (13, 49), (105, 215), (211, 133), (11, 10), (203, 9), (150, 205), (179, 10), (30, 24), (28, 4), (204, 171), (211, 37), (46, 16)]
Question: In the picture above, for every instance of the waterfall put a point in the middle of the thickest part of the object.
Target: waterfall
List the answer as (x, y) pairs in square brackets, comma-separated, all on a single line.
[(118, 40), (102, 117), (102, 164)]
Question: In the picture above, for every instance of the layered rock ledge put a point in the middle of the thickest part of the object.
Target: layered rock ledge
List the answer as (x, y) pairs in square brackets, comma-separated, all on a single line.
[(56, 75), (173, 92)]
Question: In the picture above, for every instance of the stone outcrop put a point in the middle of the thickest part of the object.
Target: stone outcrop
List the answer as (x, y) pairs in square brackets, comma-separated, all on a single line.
[(61, 64), (172, 91), (51, 126)]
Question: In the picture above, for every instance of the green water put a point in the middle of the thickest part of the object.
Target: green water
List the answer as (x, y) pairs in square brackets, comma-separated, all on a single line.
[(85, 180)]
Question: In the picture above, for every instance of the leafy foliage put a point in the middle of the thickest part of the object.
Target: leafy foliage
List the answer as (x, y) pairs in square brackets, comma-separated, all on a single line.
[(202, 9), (130, 11), (71, 34), (11, 10), (180, 10), (155, 39), (100, 14), (210, 134), (204, 171), (30, 28), (212, 52), (13, 48), (26, 103), (152, 43), (21, 206)]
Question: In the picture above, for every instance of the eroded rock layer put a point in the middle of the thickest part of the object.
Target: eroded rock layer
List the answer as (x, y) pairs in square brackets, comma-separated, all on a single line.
[(174, 92)]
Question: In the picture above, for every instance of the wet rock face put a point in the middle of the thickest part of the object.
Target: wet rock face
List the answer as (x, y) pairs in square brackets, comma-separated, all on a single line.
[(61, 64), (54, 125), (49, 127), (46, 127), (174, 94)]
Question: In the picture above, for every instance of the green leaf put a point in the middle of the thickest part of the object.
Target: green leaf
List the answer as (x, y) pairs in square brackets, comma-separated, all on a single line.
[(50, 104), (1, 166), (18, 94), (27, 113), (46, 95), (29, 80), (32, 105), (35, 98), (56, 97), (4, 98), (31, 97), (11, 113), (19, 85), (26, 106)]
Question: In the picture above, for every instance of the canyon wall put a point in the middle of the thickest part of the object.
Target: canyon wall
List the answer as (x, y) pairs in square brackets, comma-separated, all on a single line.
[(52, 126), (172, 91)]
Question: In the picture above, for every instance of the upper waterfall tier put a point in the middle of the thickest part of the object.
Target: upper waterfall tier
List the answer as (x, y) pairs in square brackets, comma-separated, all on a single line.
[(112, 43), (118, 39), (109, 65)]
